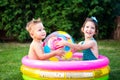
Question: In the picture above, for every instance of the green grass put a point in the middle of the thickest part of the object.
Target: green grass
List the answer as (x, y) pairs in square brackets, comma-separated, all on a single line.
[(111, 49), (10, 60), (12, 53)]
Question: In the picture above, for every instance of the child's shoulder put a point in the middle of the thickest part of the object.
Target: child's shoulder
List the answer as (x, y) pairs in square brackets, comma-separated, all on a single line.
[(33, 43), (93, 42)]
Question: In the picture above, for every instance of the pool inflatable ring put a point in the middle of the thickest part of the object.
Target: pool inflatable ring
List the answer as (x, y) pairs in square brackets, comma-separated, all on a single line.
[(66, 70), (50, 44), (66, 65), (33, 72)]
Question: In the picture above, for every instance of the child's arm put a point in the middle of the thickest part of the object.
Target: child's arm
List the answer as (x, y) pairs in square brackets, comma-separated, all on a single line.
[(42, 56), (90, 44), (86, 45), (77, 46)]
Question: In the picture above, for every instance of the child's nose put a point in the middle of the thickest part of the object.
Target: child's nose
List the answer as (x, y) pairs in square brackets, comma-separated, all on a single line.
[(89, 29), (44, 31)]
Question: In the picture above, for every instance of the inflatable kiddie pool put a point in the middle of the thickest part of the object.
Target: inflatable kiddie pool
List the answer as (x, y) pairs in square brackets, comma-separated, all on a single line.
[(66, 70)]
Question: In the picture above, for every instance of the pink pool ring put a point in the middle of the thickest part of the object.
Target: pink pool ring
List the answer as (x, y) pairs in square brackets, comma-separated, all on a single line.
[(67, 65)]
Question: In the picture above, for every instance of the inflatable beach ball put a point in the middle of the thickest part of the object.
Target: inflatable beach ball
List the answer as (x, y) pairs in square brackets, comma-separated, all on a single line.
[(50, 44)]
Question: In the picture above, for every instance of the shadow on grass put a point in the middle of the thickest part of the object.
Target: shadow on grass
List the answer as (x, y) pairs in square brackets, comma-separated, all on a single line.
[(114, 75)]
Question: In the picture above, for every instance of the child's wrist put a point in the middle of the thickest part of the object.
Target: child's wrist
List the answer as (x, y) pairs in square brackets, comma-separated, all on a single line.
[(55, 52)]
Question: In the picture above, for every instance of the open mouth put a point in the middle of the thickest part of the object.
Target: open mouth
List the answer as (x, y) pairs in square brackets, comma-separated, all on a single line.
[(88, 32)]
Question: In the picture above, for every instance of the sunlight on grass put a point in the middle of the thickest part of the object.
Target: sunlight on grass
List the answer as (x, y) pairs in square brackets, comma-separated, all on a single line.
[(106, 48)]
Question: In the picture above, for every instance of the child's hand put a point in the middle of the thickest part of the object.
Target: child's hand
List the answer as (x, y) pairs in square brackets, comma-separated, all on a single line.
[(61, 43), (60, 52)]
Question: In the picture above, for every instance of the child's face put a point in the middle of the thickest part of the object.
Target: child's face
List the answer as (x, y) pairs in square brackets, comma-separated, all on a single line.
[(89, 29), (39, 32)]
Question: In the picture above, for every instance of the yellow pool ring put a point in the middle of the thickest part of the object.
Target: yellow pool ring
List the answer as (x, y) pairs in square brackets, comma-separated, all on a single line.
[(39, 73)]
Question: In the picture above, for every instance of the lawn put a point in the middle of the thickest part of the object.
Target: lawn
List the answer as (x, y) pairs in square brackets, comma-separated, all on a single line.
[(12, 53)]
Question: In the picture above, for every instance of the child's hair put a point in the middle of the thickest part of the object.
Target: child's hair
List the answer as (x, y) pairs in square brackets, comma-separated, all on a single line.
[(31, 23), (92, 19)]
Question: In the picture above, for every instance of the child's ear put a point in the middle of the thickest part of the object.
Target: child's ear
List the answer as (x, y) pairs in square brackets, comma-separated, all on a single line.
[(82, 29), (31, 34)]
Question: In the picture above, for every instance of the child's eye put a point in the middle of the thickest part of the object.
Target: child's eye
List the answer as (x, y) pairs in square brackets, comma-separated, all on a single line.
[(39, 29), (93, 27), (87, 26)]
